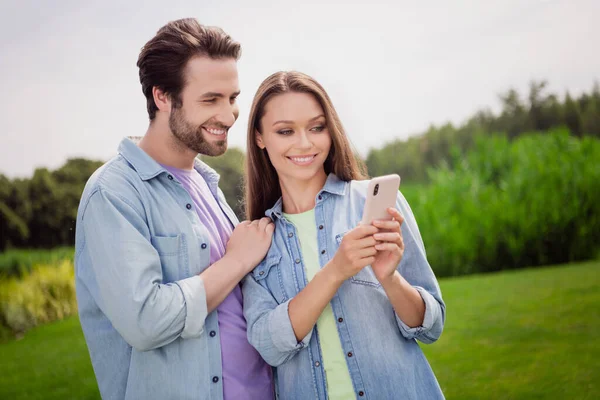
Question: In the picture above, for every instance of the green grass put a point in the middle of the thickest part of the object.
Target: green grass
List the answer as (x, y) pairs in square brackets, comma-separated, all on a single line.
[(50, 362), (528, 334)]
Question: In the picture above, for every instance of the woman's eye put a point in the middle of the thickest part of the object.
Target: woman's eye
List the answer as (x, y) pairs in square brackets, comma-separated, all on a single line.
[(285, 132), (319, 128)]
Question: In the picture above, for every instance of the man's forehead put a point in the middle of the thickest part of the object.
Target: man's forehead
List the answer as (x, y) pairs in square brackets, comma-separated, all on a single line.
[(212, 75)]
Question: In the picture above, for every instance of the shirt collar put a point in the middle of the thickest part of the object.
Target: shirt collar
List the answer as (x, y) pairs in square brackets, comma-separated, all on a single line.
[(147, 168), (333, 185)]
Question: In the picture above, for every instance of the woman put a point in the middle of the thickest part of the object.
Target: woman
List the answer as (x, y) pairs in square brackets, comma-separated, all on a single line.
[(334, 306)]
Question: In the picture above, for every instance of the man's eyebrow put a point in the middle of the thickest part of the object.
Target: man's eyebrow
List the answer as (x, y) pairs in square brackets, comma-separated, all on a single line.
[(219, 95)]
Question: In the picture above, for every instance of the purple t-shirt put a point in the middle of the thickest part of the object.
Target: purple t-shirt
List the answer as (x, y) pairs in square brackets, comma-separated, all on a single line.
[(245, 374)]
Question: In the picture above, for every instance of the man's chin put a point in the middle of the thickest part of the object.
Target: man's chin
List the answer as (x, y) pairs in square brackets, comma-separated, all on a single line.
[(213, 149)]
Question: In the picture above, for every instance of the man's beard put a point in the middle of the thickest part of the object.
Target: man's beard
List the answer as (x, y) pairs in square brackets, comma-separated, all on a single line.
[(192, 137)]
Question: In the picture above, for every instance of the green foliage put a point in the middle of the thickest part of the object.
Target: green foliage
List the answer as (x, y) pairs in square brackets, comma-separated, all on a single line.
[(41, 211), (11, 224), (537, 112), (46, 294), (533, 201), (230, 167), (19, 262)]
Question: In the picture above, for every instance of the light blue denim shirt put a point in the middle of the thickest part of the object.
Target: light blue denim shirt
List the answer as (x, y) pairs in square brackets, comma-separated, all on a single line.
[(384, 359), (139, 248)]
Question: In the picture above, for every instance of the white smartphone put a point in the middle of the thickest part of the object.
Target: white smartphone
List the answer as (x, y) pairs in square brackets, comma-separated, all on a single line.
[(381, 195)]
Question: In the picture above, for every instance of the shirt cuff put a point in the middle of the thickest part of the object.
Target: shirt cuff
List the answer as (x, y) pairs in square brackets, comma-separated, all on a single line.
[(281, 331), (196, 308), (431, 307)]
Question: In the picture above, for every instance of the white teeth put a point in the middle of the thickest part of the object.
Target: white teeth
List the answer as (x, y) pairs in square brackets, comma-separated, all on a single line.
[(217, 132), (302, 159)]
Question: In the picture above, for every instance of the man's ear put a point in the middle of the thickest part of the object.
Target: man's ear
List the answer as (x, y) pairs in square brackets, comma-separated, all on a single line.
[(161, 99), (259, 139)]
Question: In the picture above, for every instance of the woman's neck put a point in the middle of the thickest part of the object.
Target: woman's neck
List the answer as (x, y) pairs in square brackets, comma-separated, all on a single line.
[(299, 195)]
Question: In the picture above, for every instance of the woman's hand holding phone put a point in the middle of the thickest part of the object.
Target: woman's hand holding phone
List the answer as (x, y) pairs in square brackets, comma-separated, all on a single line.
[(377, 240), (356, 251), (390, 246)]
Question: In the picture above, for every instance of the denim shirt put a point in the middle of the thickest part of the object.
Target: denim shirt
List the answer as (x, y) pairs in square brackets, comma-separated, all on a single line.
[(139, 248), (382, 354)]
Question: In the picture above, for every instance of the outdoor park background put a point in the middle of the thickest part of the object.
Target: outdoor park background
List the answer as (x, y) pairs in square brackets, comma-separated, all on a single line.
[(508, 204)]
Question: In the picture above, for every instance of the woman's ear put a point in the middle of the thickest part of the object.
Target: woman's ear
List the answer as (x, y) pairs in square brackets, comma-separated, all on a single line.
[(259, 140)]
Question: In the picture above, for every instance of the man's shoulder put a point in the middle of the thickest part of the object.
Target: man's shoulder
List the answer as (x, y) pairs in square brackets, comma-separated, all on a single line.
[(116, 176)]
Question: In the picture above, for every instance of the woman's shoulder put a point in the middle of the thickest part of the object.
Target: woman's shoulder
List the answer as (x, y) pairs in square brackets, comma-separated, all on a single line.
[(358, 188)]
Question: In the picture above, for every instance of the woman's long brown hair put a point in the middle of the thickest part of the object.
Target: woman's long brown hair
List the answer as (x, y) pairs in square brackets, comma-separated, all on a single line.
[(261, 182)]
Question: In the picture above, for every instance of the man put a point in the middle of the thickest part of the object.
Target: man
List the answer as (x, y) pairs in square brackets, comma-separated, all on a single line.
[(158, 261)]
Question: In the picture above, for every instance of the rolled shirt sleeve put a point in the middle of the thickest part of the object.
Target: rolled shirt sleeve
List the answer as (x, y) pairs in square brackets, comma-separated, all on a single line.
[(126, 271), (415, 268), (196, 307), (269, 326)]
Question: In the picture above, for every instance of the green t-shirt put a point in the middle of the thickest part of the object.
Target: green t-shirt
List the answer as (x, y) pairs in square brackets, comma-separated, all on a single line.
[(339, 383)]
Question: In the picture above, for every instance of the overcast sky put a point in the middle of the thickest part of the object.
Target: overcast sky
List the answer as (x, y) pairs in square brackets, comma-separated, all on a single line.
[(71, 89)]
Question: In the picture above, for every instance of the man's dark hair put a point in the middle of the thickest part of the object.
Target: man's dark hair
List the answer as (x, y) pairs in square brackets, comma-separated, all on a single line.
[(163, 59)]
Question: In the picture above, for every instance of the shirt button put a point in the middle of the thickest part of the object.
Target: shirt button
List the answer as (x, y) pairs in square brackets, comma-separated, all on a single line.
[(320, 197), (322, 251), (261, 273), (340, 319), (321, 227), (203, 245), (317, 364), (290, 234), (170, 177), (361, 393), (215, 379), (297, 261), (349, 354), (213, 333), (188, 206)]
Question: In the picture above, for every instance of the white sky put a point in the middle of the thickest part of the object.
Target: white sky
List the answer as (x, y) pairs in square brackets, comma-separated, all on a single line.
[(71, 88)]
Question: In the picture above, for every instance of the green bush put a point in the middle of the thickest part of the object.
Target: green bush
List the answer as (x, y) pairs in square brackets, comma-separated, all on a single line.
[(509, 204), (19, 262), (46, 294)]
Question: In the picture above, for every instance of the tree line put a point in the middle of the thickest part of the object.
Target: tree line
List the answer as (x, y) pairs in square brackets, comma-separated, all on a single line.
[(40, 212), (538, 111)]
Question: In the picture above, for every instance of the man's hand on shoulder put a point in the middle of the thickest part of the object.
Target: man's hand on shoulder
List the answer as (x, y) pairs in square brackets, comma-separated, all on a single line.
[(250, 242)]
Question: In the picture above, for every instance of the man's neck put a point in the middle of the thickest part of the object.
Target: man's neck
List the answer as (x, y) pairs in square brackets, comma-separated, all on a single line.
[(160, 144)]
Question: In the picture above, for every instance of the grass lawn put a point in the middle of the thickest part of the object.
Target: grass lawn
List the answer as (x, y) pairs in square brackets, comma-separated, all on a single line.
[(50, 362), (528, 334)]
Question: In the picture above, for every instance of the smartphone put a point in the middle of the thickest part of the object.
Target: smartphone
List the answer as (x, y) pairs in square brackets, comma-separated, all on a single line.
[(381, 195)]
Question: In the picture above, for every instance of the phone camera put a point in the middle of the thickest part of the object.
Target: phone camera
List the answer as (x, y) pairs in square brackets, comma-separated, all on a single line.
[(376, 190)]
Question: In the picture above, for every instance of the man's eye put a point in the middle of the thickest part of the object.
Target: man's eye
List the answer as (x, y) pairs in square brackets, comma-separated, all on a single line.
[(209, 100)]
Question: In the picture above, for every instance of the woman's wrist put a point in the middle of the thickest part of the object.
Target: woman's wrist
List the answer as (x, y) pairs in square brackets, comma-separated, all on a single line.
[(391, 280), (333, 273)]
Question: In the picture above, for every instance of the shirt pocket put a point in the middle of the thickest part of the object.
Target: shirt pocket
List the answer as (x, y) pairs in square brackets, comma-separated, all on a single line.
[(268, 275), (170, 251), (366, 275)]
